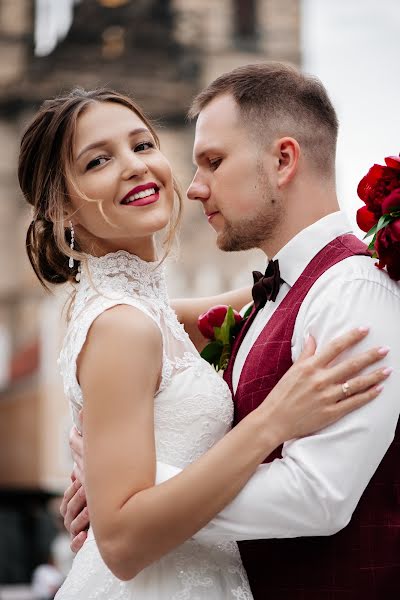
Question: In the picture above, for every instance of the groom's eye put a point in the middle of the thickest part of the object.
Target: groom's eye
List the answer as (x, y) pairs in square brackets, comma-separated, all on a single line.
[(214, 163)]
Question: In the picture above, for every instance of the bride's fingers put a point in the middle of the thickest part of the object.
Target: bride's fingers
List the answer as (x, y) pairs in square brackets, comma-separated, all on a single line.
[(340, 409), (352, 366), (309, 349), (339, 345), (360, 384)]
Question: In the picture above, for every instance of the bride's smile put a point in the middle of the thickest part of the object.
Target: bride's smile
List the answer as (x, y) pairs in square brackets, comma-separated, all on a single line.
[(117, 167)]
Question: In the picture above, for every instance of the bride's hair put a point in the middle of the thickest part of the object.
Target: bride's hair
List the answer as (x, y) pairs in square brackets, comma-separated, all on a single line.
[(45, 167)]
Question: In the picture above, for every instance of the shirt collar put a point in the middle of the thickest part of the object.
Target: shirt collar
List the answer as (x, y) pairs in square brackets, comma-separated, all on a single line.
[(300, 250)]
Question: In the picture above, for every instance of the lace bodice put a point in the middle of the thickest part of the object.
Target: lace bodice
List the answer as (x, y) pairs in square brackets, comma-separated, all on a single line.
[(192, 410), (193, 407)]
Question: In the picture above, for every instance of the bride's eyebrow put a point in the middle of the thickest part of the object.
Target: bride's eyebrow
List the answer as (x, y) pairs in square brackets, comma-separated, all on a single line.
[(100, 143)]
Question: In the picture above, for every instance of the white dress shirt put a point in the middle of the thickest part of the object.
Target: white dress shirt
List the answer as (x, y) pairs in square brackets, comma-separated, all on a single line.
[(314, 488)]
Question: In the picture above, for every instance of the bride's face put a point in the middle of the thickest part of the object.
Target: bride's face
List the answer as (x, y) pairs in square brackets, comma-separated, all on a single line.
[(117, 164)]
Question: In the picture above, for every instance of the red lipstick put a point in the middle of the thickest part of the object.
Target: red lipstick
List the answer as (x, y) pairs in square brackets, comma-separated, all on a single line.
[(142, 198)]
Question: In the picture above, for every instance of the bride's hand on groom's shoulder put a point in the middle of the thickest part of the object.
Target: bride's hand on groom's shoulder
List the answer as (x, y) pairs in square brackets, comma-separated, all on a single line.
[(322, 387)]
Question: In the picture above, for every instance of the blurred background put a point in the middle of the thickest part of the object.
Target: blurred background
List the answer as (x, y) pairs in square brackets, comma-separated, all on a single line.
[(162, 52)]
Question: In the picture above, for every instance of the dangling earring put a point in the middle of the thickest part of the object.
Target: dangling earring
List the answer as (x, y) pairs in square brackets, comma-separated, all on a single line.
[(71, 245)]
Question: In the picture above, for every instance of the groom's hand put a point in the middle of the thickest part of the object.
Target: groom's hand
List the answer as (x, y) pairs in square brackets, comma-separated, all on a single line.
[(75, 513), (73, 507)]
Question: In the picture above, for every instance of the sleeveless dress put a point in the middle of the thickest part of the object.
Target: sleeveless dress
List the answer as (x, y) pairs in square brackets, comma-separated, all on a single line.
[(193, 410)]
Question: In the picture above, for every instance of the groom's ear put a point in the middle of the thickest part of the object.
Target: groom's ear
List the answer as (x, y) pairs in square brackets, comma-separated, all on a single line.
[(287, 154)]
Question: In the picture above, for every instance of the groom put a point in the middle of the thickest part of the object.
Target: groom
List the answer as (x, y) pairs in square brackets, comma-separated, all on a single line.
[(327, 507)]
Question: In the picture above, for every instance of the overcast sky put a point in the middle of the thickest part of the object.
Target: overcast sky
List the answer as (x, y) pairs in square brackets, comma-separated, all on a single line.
[(354, 47)]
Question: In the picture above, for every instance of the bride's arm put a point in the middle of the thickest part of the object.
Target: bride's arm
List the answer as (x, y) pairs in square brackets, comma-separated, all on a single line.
[(136, 522), (189, 309)]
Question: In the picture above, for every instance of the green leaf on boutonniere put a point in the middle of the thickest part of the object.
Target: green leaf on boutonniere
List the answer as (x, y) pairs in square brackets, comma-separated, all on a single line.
[(218, 351), (224, 333), (248, 312), (212, 353)]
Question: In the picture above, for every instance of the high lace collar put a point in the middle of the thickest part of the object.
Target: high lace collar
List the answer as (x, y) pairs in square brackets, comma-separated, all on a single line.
[(124, 273)]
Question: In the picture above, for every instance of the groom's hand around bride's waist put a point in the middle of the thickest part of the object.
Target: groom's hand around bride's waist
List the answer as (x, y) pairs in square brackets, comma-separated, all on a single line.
[(75, 513), (73, 506)]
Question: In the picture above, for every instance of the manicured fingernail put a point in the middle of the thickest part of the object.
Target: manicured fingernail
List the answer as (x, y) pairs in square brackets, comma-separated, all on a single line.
[(383, 350), (379, 388), (387, 371), (363, 329)]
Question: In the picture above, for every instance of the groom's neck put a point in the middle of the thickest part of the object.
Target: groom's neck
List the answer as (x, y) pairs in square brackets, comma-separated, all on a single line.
[(301, 208)]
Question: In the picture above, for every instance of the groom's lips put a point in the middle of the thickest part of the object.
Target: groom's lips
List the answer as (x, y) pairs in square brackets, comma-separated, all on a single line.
[(211, 215)]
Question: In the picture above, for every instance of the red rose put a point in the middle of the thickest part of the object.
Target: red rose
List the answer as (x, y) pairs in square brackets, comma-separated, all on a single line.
[(387, 246), (214, 317), (366, 219), (391, 202), (393, 161), (379, 183)]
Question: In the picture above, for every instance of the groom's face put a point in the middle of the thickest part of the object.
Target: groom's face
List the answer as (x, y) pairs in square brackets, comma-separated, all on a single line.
[(234, 178)]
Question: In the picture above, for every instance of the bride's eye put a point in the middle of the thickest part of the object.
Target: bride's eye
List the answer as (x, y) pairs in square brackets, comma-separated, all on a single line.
[(143, 146), (96, 162)]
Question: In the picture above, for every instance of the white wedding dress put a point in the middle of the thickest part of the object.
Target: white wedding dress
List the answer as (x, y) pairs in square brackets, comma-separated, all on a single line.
[(193, 409)]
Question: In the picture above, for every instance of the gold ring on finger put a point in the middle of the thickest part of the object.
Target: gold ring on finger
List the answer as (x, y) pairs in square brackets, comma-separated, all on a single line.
[(346, 389)]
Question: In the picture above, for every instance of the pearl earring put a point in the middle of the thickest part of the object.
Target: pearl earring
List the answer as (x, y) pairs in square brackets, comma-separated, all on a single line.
[(71, 245)]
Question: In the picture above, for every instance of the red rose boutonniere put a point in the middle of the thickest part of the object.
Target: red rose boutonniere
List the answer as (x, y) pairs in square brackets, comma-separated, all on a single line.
[(220, 324), (380, 217)]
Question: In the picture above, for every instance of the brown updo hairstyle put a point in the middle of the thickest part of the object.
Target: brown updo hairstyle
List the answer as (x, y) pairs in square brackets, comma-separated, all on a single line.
[(45, 166)]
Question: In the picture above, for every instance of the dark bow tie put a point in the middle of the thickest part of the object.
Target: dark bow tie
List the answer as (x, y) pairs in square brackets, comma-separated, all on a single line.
[(266, 287)]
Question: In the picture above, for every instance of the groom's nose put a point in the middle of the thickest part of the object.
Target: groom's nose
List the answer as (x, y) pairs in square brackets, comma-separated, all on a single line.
[(198, 190)]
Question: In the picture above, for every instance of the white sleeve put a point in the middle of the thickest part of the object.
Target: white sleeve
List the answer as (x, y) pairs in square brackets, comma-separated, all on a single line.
[(314, 488)]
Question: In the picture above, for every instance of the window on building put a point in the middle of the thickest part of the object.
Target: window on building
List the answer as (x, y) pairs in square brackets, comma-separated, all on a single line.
[(245, 24)]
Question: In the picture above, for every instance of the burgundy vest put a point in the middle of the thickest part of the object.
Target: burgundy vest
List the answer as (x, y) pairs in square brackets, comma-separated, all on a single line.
[(361, 562)]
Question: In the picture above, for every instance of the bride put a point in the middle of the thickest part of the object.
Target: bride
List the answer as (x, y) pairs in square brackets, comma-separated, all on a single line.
[(100, 188)]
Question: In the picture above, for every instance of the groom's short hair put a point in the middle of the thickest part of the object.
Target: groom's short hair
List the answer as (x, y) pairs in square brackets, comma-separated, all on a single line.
[(277, 100)]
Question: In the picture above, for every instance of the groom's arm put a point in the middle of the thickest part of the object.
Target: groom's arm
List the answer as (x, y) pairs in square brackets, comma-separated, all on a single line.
[(314, 488), (188, 310)]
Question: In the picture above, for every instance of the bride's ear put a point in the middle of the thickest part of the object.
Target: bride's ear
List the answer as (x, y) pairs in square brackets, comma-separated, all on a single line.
[(71, 214)]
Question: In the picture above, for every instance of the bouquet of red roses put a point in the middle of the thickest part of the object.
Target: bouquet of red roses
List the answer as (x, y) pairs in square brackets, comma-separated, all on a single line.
[(380, 217)]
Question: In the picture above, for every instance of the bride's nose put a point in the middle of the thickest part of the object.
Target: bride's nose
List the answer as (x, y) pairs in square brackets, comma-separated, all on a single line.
[(133, 165)]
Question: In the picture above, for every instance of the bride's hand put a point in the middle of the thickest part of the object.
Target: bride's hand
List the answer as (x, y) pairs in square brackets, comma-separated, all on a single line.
[(313, 394)]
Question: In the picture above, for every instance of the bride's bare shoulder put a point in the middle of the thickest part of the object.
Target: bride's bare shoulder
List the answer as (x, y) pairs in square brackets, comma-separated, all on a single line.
[(122, 328), (125, 318)]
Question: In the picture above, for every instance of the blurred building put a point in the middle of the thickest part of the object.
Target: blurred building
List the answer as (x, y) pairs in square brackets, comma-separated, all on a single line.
[(162, 52)]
